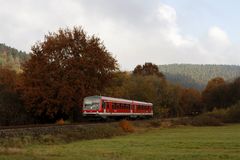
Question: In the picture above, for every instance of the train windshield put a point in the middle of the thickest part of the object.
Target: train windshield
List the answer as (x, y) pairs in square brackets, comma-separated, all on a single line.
[(91, 103)]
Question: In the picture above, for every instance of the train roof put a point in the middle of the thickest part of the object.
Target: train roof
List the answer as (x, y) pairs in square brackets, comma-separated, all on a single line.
[(121, 100)]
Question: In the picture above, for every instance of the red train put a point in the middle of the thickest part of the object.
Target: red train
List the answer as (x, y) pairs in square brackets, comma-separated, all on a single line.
[(115, 107)]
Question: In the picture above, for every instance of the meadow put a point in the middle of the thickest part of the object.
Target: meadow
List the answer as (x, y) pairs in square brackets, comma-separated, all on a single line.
[(176, 143)]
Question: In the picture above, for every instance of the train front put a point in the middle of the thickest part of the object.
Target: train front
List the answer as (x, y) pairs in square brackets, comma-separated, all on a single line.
[(91, 106)]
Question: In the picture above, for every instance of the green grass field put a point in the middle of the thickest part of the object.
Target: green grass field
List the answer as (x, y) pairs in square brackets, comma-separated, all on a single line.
[(181, 143)]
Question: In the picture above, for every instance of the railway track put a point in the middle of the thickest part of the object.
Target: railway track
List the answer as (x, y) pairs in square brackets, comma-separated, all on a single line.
[(46, 125), (56, 125)]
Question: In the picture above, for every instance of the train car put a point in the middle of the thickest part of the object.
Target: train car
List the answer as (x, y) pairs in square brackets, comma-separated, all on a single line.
[(104, 107)]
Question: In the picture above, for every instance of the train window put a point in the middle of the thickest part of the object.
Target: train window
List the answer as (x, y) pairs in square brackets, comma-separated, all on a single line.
[(103, 104), (107, 104), (138, 107), (117, 105), (113, 106), (123, 106)]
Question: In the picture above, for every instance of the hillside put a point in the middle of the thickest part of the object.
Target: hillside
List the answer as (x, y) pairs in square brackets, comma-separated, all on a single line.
[(197, 76), (11, 57)]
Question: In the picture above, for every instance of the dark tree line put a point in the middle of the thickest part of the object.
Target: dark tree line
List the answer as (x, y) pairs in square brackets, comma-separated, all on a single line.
[(221, 94)]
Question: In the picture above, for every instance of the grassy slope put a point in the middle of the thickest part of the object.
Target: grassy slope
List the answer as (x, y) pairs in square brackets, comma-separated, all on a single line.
[(183, 143)]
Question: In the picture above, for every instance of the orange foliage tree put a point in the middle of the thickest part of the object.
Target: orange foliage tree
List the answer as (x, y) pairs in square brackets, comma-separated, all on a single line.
[(190, 102), (214, 95), (67, 66)]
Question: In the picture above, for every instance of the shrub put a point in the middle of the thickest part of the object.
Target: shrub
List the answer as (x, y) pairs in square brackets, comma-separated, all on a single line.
[(182, 121), (12, 111), (126, 126), (233, 114), (206, 120), (228, 115), (220, 114), (60, 122), (155, 123)]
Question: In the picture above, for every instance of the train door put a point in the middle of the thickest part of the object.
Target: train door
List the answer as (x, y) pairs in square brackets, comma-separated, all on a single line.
[(109, 107), (103, 107), (133, 108)]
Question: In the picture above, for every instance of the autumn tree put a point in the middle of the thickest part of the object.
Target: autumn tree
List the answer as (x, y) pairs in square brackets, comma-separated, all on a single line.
[(12, 111), (147, 69), (190, 102), (214, 95), (67, 66), (234, 91), (116, 87), (231, 92)]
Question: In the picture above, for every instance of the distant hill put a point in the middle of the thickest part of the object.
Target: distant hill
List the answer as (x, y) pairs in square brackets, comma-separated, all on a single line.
[(11, 57), (197, 76)]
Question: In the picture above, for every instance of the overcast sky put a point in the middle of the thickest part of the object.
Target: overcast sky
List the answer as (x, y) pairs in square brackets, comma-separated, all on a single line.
[(134, 31)]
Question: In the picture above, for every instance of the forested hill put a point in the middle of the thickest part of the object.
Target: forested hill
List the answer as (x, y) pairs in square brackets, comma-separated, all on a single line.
[(11, 57), (197, 76)]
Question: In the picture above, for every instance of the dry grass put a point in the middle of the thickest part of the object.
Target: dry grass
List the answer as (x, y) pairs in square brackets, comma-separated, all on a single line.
[(10, 151), (66, 136)]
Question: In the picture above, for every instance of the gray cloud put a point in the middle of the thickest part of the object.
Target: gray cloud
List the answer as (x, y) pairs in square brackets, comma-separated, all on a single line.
[(135, 31)]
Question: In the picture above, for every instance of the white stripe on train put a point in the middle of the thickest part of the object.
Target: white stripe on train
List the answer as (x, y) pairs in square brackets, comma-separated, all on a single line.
[(118, 114)]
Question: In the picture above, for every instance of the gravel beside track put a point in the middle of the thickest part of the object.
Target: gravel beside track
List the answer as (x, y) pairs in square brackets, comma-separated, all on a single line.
[(36, 130)]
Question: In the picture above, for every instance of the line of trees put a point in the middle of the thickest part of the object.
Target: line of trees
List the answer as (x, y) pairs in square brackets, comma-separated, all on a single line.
[(70, 65), (147, 84)]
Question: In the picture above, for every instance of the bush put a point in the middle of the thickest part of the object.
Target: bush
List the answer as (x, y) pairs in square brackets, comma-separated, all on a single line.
[(12, 111), (220, 114), (182, 121), (155, 123), (233, 114), (60, 122), (206, 120), (126, 126), (228, 115)]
